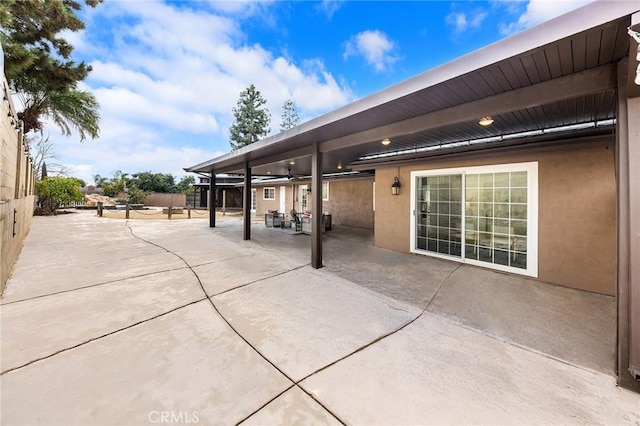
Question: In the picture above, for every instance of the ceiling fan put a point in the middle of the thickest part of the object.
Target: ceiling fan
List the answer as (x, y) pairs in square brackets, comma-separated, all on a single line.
[(291, 176)]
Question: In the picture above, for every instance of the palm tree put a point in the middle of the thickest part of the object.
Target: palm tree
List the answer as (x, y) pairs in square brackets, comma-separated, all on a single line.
[(69, 109)]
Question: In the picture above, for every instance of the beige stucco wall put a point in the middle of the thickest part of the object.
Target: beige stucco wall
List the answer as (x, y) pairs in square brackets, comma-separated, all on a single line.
[(263, 205), (576, 213), (350, 201)]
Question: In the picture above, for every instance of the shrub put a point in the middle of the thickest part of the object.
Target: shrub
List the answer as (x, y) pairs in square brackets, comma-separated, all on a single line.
[(55, 190)]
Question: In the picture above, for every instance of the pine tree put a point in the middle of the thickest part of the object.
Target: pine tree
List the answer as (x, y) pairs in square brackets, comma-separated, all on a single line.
[(290, 117), (34, 50), (251, 119), (39, 68)]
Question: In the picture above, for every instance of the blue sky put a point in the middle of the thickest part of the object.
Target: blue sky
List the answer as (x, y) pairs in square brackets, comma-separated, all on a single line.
[(168, 73)]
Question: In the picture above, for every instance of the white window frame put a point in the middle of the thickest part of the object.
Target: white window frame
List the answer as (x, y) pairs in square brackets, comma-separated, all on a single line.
[(532, 214), (325, 183), (264, 193)]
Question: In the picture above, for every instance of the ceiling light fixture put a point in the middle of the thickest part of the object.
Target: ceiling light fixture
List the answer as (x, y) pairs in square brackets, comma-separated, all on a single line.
[(292, 162), (486, 121), (386, 141)]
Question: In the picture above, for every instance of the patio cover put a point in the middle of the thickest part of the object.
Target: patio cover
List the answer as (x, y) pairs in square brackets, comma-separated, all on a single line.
[(560, 73), (569, 77)]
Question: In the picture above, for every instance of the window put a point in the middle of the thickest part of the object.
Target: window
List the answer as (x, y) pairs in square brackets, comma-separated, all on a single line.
[(325, 191), (480, 215), (269, 193)]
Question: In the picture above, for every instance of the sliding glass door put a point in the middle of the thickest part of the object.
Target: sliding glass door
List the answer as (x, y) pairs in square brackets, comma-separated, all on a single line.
[(483, 215)]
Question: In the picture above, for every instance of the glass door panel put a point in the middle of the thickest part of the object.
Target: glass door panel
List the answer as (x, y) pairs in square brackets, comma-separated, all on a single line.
[(496, 218), (439, 214)]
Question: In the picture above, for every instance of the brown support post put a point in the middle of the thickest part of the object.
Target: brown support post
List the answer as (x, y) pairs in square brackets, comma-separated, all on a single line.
[(126, 215), (628, 205), (246, 204), (316, 207), (212, 200)]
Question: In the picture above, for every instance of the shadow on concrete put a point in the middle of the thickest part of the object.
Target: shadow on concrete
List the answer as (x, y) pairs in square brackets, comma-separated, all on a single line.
[(572, 325)]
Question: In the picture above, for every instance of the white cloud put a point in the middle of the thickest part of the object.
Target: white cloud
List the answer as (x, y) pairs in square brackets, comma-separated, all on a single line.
[(245, 8), (166, 77), (374, 46), (118, 150), (462, 22), (538, 11), (330, 7)]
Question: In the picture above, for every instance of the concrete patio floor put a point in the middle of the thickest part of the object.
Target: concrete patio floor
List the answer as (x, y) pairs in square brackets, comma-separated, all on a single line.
[(107, 321)]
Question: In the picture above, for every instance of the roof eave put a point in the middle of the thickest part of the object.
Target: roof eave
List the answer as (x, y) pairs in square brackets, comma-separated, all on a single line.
[(591, 15)]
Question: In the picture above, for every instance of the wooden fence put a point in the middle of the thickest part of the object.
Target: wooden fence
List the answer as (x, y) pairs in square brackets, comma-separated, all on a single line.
[(163, 200)]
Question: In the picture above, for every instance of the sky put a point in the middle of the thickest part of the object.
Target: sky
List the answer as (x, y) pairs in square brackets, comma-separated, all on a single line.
[(168, 73)]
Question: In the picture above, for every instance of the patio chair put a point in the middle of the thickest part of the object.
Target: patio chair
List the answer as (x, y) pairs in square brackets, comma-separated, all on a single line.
[(273, 219)]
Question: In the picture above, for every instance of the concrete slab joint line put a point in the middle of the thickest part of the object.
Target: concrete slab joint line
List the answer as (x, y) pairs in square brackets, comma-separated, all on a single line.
[(296, 383), (89, 286), (9, 370), (360, 341), (384, 336), (209, 298), (370, 343)]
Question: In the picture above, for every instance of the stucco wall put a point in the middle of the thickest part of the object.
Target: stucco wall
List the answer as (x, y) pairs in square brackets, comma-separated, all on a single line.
[(577, 216), (263, 205), (350, 201)]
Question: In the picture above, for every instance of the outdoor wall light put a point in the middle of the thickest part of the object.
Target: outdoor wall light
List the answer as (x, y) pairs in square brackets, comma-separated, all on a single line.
[(339, 165), (385, 141), (486, 121), (395, 186), (292, 162)]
